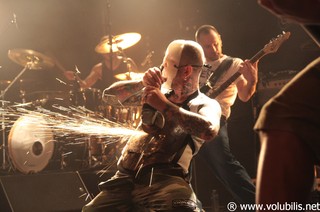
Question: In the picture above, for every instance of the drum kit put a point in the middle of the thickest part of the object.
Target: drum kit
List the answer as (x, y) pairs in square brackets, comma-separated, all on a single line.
[(29, 145)]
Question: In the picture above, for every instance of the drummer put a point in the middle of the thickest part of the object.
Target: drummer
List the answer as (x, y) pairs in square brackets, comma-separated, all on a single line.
[(103, 74)]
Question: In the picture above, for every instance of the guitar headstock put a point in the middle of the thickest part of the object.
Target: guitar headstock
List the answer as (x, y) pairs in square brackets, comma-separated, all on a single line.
[(275, 43)]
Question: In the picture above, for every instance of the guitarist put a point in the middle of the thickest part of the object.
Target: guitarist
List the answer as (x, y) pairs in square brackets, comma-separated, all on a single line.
[(217, 152)]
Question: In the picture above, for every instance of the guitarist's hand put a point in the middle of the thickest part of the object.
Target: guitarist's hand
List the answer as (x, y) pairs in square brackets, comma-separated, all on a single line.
[(247, 87), (249, 71)]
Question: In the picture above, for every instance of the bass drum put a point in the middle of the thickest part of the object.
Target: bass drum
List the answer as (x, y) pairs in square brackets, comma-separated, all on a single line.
[(30, 144)]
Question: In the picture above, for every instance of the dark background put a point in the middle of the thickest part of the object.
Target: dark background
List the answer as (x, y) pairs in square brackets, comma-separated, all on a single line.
[(69, 30)]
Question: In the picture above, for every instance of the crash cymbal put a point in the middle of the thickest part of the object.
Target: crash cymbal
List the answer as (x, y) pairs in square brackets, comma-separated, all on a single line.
[(129, 76), (34, 60), (122, 41)]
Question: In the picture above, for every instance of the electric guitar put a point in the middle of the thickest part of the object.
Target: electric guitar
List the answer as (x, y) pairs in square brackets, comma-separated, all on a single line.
[(271, 47)]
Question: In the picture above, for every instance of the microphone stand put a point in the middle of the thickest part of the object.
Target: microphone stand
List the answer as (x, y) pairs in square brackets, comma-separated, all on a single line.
[(3, 146)]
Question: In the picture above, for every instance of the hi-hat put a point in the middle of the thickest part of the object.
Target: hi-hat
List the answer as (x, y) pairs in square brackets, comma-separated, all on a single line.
[(30, 58), (129, 76), (119, 42)]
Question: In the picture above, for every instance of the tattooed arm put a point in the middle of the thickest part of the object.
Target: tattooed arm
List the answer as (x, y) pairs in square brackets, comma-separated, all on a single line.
[(204, 124)]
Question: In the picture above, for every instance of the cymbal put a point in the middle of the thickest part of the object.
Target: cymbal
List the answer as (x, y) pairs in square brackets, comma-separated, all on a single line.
[(119, 42), (129, 76), (34, 60)]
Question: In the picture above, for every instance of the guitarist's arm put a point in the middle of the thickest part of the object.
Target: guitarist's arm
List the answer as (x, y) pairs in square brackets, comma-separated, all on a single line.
[(247, 86)]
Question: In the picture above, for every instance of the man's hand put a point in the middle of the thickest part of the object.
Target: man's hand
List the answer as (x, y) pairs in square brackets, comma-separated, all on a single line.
[(153, 77), (249, 71), (154, 97)]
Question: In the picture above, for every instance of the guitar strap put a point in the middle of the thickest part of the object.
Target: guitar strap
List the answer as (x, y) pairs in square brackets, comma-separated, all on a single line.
[(225, 65)]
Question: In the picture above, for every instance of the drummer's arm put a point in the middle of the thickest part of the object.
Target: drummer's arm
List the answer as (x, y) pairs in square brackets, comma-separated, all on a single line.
[(119, 91), (92, 78)]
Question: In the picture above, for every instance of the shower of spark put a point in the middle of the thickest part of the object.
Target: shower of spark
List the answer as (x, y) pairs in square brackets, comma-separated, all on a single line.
[(69, 121), (36, 132)]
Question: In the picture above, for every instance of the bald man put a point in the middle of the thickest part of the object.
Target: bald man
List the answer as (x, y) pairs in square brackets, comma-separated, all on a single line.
[(153, 168)]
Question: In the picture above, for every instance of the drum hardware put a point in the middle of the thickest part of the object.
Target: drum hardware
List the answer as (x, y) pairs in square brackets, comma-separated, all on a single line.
[(147, 59), (129, 75), (3, 129), (22, 96), (87, 97), (2, 97), (77, 98), (30, 104), (72, 155), (31, 60), (48, 99), (27, 85), (95, 153), (90, 98), (127, 115), (126, 112)]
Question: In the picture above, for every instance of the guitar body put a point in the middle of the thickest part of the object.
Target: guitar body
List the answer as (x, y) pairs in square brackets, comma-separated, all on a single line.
[(271, 47)]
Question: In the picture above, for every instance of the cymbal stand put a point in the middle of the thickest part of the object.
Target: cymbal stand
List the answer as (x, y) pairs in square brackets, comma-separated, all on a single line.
[(110, 34), (2, 97), (108, 29), (128, 61), (77, 96), (3, 129)]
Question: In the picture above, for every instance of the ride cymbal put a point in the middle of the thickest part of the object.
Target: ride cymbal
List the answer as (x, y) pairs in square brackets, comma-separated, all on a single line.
[(34, 60), (119, 42)]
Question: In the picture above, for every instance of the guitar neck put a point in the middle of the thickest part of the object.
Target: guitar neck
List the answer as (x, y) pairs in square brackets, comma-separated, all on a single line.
[(258, 56), (235, 76)]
